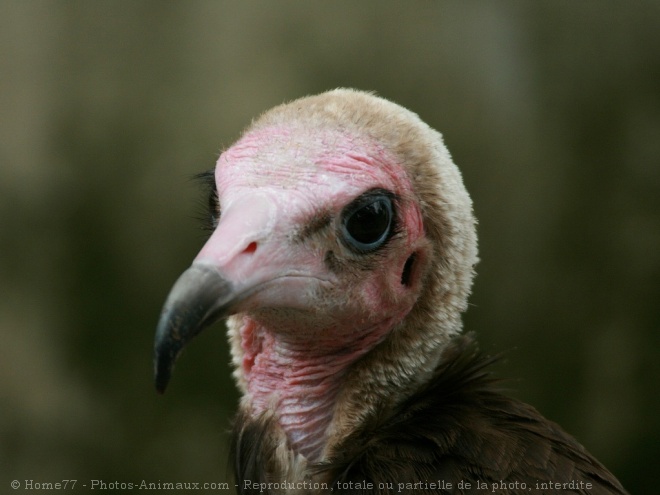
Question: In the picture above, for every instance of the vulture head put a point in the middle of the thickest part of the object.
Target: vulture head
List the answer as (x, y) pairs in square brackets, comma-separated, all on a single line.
[(341, 256)]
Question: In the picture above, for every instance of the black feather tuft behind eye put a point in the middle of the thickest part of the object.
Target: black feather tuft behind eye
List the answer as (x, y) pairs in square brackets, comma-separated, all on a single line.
[(210, 214), (368, 222)]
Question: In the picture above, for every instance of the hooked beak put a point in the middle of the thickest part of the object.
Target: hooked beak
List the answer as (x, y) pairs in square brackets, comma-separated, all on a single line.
[(247, 263), (200, 297)]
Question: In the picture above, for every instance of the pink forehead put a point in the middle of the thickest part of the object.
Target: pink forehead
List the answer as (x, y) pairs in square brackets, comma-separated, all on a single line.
[(301, 158)]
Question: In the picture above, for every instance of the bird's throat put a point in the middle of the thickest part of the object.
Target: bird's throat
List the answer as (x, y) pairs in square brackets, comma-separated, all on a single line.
[(298, 376)]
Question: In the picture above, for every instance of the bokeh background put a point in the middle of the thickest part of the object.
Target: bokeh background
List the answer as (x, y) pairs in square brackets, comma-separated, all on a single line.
[(551, 109)]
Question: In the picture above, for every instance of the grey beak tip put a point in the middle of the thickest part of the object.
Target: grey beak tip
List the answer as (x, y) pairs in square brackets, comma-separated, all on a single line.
[(162, 378), (198, 298), (163, 363), (165, 354)]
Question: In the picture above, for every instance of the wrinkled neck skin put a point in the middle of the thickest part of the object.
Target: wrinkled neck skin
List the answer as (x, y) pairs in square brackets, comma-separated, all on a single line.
[(298, 372), (321, 384)]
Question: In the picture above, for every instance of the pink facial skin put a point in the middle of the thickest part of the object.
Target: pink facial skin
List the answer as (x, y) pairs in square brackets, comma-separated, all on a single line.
[(305, 320)]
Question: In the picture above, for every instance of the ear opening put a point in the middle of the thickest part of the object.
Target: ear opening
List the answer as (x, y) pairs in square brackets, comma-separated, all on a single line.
[(406, 273)]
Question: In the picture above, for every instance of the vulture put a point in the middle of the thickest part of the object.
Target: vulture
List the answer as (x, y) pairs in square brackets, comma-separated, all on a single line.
[(342, 252)]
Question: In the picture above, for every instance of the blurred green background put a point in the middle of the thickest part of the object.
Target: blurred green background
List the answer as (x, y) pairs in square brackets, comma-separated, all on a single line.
[(551, 109)]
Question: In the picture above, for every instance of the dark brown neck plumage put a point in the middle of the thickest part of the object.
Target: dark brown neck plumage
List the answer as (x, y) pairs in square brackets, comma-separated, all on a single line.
[(457, 434)]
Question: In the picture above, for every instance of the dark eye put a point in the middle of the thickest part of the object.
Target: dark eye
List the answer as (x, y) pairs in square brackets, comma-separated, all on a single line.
[(367, 222)]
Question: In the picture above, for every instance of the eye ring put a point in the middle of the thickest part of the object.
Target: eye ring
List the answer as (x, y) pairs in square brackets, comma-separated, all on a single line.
[(367, 223)]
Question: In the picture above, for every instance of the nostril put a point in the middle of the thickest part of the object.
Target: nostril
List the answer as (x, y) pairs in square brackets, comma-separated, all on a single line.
[(251, 248)]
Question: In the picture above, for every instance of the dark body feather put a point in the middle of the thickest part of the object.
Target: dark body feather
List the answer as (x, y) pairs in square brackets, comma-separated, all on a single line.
[(457, 435)]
